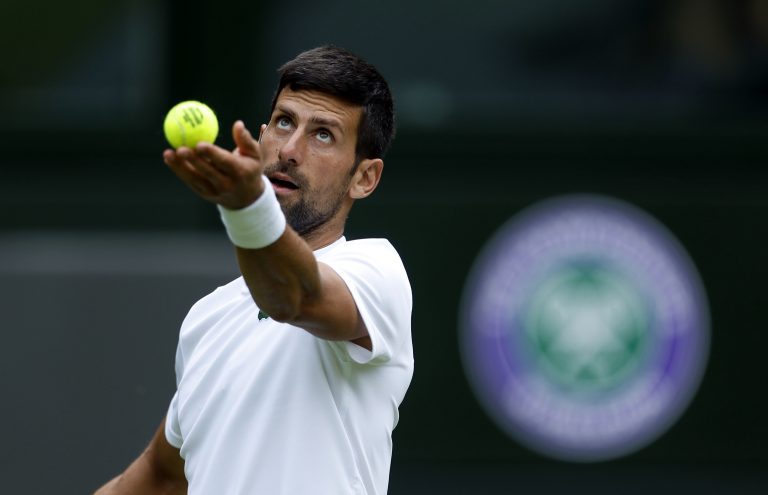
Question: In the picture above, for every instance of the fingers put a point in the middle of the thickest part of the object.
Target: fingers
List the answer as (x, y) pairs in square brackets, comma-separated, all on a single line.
[(245, 142), (219, 161), (232, 179), (208, 164), (194, 172), (230, 163)]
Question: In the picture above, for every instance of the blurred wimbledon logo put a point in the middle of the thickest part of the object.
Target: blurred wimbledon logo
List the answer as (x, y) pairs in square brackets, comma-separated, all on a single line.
[(584, 328), (588, 328)]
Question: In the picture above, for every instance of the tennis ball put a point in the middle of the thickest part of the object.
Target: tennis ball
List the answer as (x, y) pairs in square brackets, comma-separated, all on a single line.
[(190, 122)]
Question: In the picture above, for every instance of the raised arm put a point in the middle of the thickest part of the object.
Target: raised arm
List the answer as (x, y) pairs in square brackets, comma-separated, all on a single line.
[(290, 286), (284, 279), (159, 470)]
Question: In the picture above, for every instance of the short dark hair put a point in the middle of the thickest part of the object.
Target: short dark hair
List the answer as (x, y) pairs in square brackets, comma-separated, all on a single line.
[(342, 74)]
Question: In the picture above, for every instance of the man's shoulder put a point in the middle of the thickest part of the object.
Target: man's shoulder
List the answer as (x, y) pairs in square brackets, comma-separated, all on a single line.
[(364, 245), (376, 250), (371, 243), (370, 260)]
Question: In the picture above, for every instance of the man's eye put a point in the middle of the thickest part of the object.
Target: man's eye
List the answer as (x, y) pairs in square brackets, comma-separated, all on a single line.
[(283, 123), (324, 136)]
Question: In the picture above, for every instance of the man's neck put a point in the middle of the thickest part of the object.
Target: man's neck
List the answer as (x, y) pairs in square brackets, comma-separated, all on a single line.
[(320, 238), (328, 232)]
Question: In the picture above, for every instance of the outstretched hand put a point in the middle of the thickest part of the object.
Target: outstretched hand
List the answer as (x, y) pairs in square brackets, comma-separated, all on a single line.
[(229, 178)]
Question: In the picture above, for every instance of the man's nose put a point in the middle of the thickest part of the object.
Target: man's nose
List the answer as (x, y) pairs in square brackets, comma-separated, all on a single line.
[(291, 150)]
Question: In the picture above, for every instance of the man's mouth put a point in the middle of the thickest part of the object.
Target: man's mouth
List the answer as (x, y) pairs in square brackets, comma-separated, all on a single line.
[(282, 183)]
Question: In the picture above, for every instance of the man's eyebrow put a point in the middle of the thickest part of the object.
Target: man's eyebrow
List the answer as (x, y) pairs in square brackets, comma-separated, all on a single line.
[(323, 121), (317, 119), (287, 111)]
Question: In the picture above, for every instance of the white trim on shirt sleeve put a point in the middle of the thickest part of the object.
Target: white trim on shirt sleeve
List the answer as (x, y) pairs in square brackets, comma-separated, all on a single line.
[(172, 430)]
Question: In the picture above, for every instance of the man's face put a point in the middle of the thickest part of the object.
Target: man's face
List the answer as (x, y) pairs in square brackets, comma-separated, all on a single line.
[(309, 151)]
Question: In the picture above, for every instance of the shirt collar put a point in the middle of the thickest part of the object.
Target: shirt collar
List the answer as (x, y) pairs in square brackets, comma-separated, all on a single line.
[(325, 249)]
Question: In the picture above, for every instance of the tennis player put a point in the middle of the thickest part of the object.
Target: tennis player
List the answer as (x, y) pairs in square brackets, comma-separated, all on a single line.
[(289, 378)]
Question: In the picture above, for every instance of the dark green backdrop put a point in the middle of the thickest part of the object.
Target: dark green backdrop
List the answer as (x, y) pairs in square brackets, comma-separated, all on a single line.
[(501, 104)]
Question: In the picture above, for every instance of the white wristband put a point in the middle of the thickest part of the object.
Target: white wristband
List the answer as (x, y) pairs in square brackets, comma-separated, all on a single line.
[(257, 225)]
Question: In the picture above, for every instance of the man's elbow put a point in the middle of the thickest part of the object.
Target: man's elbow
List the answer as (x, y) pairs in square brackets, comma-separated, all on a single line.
[(284, 310), (283, 313), (288, 307)]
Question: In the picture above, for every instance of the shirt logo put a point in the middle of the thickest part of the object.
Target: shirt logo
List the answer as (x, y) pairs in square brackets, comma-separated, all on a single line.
[(584, 328)]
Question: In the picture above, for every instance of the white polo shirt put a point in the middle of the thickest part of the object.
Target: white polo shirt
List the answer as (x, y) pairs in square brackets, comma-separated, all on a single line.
[(266, 408)]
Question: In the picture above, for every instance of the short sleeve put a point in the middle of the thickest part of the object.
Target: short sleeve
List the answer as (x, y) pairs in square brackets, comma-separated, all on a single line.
[(172, 429), (376, 278)]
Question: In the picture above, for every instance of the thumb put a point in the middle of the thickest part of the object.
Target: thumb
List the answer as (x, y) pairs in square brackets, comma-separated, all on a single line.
[(246, 145)]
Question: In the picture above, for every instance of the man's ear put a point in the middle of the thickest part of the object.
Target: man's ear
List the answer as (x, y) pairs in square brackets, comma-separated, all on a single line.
[(366, 178), (262, 128)]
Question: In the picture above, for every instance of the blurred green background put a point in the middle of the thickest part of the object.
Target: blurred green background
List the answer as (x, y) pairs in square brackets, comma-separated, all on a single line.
[(500, 104)]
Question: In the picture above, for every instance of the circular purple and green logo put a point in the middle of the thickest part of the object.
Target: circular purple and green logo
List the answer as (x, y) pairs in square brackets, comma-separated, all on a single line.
[(584, 328)]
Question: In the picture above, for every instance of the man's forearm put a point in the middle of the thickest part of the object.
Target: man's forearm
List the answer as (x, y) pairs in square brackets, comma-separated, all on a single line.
[(109, 488), (281, 276), (141, 479)]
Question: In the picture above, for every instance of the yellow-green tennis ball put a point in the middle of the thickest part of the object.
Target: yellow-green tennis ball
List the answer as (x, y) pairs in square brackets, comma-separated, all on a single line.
[(190, 122)]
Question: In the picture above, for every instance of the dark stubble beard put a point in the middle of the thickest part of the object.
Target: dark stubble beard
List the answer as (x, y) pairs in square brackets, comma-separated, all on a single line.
[(309, 212)]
